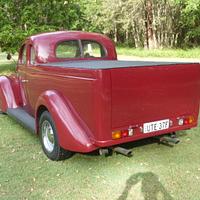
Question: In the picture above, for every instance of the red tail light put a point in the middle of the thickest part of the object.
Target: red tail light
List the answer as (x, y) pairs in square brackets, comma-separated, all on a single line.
[(122, 133), (186, 121)]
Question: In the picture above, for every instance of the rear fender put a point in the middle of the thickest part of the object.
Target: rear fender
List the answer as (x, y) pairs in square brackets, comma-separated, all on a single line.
[(7, 97), (73, 134)]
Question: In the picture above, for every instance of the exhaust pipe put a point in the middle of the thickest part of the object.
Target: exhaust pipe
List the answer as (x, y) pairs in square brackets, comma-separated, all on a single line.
[(125, 152), (173, 140), (104, 152)]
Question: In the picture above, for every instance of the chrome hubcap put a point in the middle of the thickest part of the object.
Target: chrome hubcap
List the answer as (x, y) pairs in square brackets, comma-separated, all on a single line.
[(48, 136)]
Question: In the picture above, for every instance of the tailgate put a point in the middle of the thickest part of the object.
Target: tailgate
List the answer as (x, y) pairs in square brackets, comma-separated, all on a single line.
[(145, 94)]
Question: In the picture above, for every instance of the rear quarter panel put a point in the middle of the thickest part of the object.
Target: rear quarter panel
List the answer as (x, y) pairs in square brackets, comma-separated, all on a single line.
[(88, 91)]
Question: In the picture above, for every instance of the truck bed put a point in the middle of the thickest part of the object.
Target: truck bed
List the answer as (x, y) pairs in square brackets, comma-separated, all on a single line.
[(144, 91), (109, 64)]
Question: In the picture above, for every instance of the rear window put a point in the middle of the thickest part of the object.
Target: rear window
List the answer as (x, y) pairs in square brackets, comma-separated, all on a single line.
[(92, 49), (76, 49), (68, 49)]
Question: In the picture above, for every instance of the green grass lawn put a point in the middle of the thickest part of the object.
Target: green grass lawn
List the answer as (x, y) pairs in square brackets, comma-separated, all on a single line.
[(170, 53), (155, 172), (6, 67)]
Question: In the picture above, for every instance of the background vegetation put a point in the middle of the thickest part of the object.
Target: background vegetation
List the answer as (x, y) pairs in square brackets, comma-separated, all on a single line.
[(155, 171), (138, 23)]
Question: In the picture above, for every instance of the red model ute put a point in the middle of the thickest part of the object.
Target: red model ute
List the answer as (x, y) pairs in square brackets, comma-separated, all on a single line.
[(71, 90)]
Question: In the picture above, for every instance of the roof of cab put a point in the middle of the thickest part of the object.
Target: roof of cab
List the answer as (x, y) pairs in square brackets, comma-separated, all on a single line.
[(69, 34), (45, 44)]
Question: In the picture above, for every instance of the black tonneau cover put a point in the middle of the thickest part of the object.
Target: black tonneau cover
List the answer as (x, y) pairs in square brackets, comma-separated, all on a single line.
[(108, 64)]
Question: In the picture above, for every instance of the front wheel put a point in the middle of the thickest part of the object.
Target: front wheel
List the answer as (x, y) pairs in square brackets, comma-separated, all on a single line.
[(49, 139)]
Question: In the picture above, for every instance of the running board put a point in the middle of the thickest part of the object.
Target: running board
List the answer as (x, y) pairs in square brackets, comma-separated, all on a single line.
[(23, 118)]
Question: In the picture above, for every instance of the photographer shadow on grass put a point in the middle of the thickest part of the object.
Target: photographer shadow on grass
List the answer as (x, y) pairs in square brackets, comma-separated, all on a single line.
[(144, 186)]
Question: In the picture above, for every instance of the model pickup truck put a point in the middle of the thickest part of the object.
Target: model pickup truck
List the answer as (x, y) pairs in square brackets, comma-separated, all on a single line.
[(70, 89)]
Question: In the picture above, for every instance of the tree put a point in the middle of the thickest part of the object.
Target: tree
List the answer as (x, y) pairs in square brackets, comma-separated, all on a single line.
[(190, 22), (19, 19), (138, 23)]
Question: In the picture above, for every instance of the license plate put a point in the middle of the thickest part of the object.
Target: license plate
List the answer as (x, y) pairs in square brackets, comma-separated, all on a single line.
[(155, 126)]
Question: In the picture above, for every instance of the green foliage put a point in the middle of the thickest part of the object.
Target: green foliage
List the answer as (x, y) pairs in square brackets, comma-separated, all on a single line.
[(190, 20), (174, 23), (20, 19)]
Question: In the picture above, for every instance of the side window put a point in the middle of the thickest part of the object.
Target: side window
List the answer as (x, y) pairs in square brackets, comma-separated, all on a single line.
[(68, 49), (23, 55), (32, 55), (92, 49)]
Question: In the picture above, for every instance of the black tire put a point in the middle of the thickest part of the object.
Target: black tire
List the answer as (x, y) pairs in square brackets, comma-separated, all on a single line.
[(54, 152)]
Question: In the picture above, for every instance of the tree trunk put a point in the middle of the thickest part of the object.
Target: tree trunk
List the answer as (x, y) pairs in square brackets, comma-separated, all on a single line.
[(115, 33), (151, 39), (127, 35)]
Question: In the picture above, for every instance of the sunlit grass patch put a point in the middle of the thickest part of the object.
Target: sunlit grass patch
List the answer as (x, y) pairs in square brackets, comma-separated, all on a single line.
[(170, 53)]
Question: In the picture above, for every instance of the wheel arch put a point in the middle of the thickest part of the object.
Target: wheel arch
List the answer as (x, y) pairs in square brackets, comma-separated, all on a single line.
[(73, 133), (40, 110)]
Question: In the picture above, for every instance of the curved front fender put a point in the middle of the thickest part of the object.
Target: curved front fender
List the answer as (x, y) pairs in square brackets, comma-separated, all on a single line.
[(73, 134), (7, 98)]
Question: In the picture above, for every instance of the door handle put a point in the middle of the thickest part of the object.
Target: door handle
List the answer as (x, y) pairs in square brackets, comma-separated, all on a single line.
[(24, 81)]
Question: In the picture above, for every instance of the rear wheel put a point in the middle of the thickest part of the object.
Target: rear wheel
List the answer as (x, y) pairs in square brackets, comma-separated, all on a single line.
[(49, 139)]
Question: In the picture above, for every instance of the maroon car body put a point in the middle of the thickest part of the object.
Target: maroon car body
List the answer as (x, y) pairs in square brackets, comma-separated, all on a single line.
[(97, 101)]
